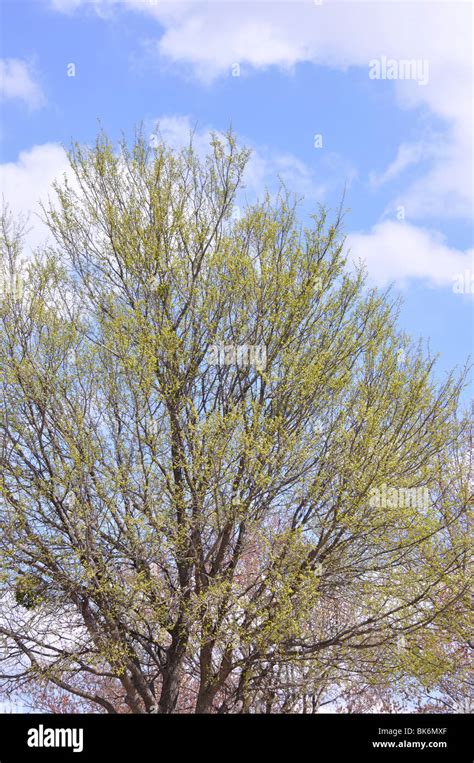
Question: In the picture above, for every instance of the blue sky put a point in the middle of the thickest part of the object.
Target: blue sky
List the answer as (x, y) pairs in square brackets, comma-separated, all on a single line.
[(280, 74)]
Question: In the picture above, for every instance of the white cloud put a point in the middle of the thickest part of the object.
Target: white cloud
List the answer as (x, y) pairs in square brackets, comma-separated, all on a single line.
[(16, 81), (25, 182), (396, 251)]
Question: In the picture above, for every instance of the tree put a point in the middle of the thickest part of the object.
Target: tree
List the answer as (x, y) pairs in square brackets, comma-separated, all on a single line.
[(221, 490)]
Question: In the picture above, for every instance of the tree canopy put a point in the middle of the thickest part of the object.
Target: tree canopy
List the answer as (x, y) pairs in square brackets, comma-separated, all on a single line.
[(228, 481)]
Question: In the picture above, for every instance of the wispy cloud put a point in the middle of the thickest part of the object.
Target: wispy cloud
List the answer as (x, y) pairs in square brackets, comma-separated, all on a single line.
[(17, 81), (408, 154)]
